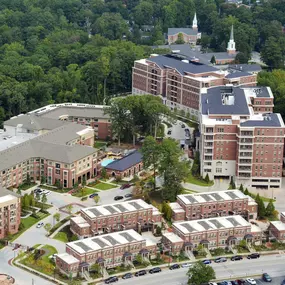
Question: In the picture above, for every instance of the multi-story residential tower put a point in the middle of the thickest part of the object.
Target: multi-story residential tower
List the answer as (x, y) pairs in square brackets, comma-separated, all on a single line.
[(180, 82), (10, 212), (240, 136)]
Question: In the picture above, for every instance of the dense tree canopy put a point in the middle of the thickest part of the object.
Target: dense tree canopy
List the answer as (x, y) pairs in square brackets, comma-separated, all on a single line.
[(83, 50)]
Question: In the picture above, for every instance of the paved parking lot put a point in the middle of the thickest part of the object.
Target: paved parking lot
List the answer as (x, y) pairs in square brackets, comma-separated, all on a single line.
[(275, 281)]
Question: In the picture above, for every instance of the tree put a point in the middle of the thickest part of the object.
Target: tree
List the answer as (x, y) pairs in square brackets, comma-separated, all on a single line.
[(246, 192), (44, 199), (180, 39), (241, 58), (271, 53), (19, 192), (69, 208), (84, 181), (28, 179), (38, 196), (104, 173), (200, 273), (261, 211), (270, 209), (241, 188), (166, 210), (56, 217), (43, 179), (151, 152), (47, 227), (195, 169), (96, 199), (213, 60), (207, 179)]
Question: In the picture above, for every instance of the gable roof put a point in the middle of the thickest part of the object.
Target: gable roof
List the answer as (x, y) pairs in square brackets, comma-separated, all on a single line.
[(238, 74), (126, 162), (187, 31)]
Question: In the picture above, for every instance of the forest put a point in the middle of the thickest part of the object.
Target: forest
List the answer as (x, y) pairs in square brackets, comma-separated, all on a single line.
[(83, 50)]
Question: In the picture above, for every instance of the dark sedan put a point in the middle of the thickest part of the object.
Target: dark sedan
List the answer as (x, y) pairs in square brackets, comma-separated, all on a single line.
[(220, 259), (125, 186), (155, 270), (140, 273), (127, 276), (174, 266), (236, 257), (111, 279), (118, 198), (93, 195)]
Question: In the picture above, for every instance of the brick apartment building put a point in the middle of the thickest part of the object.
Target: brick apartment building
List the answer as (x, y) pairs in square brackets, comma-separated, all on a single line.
[(240, 136), (109, 250), (10, 212), (83, 114), (213, 204), (277, 230), (216, 232), (134, 214), (180, 81), (64, 154)]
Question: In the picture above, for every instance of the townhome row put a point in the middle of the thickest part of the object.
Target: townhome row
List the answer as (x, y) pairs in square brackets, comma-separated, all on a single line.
[(180, 81), (10, 212), (240, 136), (213, 204), (135, 214)]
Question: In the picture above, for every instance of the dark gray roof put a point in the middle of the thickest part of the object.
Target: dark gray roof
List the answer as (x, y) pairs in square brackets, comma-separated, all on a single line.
[(246, 67), (220, 55), (4, 192), (212, 102), (237, 74), (126, 162), (187, 31), (269, 120), (182, 67), (34, 123)]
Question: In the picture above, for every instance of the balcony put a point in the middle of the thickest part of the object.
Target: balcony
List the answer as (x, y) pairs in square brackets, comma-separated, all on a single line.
[(244, 175), (208, 145), (245, 161), (246, 141), (246, 134), (246, 147), (245, 169), (209, 138), (245, 154), (208, 157), (209, 130), (208, 151)]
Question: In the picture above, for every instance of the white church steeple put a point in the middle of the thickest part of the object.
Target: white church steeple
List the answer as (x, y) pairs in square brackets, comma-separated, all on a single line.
[(231, 44), (195, 23)]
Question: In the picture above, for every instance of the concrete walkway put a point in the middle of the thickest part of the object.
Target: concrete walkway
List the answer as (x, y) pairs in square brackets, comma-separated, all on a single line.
[(59, 229), (218, 186)]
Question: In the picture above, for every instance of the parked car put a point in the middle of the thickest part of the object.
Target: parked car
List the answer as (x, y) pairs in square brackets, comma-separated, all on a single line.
[(125, 186), (127, 275), (253, 255), (140, 273), (220, 259), (266, 277), (155, 270), (93, 195), (37, 189), (186, 265), (212, 283), (129, 195), (250, 281), (169, 132), (118, 198), (39, 225), (236, 257), (283, 282), (111, 279), (174, 266), (183, 126), (46, 192), (240, 281), (234, 282), (207, 261)]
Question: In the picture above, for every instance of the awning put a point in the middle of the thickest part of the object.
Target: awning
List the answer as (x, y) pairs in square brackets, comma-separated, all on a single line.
[(204, 241), (188, 243), (232, 238), (126, 254), (83, 264), (144, 250), (248, 236), (100, 260)]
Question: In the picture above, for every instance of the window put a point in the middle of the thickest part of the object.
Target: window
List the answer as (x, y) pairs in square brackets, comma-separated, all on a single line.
[(57, 165)]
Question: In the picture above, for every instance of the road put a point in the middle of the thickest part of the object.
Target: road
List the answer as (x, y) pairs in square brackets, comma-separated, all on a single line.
[(274, 265)]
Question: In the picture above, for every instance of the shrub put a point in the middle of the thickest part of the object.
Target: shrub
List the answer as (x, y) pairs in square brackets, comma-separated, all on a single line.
[(84, 198)]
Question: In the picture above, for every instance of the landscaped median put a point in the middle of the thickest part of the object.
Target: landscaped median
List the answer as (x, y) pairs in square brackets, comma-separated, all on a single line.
[(102, 185)]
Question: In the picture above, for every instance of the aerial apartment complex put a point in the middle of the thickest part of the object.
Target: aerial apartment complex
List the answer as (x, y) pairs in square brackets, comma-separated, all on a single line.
[(10, 212), (135, 214), (180, 81), (213, 204), (240, 137)]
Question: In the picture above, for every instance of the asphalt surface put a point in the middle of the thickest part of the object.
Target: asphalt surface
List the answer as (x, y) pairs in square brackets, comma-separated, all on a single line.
[(274, 265)]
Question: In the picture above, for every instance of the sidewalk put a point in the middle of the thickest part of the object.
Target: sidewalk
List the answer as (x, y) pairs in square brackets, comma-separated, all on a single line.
[(61, 227)]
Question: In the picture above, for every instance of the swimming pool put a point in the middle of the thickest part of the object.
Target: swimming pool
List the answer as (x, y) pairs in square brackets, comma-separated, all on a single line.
[(107, 161)]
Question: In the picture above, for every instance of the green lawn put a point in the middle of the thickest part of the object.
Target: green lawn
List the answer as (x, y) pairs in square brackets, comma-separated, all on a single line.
[(99, 144), (61, 237), (50, 251), (26, 186), (104, 186), (186, 191), (83, 192), (194, 180)]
